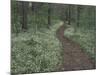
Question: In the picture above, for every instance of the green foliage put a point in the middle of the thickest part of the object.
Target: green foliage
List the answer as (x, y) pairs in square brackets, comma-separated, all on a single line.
[(15, 18), (88, 17), (36, 51), (85, 33), (36, 20), (86, 38)]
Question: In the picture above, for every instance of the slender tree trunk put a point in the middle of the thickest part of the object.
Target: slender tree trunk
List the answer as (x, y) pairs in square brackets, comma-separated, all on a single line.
[(89, 16), (17, 16), (69, 15), (66, 15), (24, 15), (49, 15), (78, 15), (33, 9), (33, 6)]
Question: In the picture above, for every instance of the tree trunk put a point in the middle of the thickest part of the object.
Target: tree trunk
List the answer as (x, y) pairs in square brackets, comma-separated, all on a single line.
[(69, 15), (66, 15), (33, 6), (49, 15), (24, 15), (78, 15)]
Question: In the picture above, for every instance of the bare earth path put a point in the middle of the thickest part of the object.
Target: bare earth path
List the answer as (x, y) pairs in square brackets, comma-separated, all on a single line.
[(73, 57)]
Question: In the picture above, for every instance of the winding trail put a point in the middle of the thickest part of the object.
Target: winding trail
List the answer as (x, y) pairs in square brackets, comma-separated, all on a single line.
[(73, 56)]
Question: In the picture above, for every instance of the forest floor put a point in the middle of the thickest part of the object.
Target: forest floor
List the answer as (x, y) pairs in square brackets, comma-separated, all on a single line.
[(36, 51), (47, 50), (74, 58)]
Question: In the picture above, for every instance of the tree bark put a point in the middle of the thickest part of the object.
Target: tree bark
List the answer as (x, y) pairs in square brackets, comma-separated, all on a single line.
[(49, 15), (66, 15), (78, 15), (24, 15), (69, 15)]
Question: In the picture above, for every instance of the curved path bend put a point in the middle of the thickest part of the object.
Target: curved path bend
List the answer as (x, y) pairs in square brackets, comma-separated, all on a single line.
[(73, 56)]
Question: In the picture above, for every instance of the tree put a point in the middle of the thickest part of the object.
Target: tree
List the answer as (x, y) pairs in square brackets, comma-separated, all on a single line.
[(49, 14), (65, 14), (24, 15), (22, 10), (69, 14), (78, 15), (33, 6)]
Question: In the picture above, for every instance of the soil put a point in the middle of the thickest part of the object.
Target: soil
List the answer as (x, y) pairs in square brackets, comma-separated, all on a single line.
[(74, 58)]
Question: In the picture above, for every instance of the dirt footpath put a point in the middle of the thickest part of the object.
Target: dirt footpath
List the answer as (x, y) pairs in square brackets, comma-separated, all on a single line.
[(73, 57)]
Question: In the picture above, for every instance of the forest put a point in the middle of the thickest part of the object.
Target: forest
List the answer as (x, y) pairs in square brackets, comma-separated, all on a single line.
[(41, 34)]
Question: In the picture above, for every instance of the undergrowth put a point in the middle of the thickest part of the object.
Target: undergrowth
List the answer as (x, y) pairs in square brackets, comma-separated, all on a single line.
[(36, 51), (85, 37)]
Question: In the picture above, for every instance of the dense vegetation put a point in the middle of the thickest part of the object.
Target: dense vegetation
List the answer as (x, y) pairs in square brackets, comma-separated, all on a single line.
[(85, 32), (35, 47)]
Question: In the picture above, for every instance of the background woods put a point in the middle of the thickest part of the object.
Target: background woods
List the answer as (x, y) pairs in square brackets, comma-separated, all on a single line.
[(35, 47), (70, 13)]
